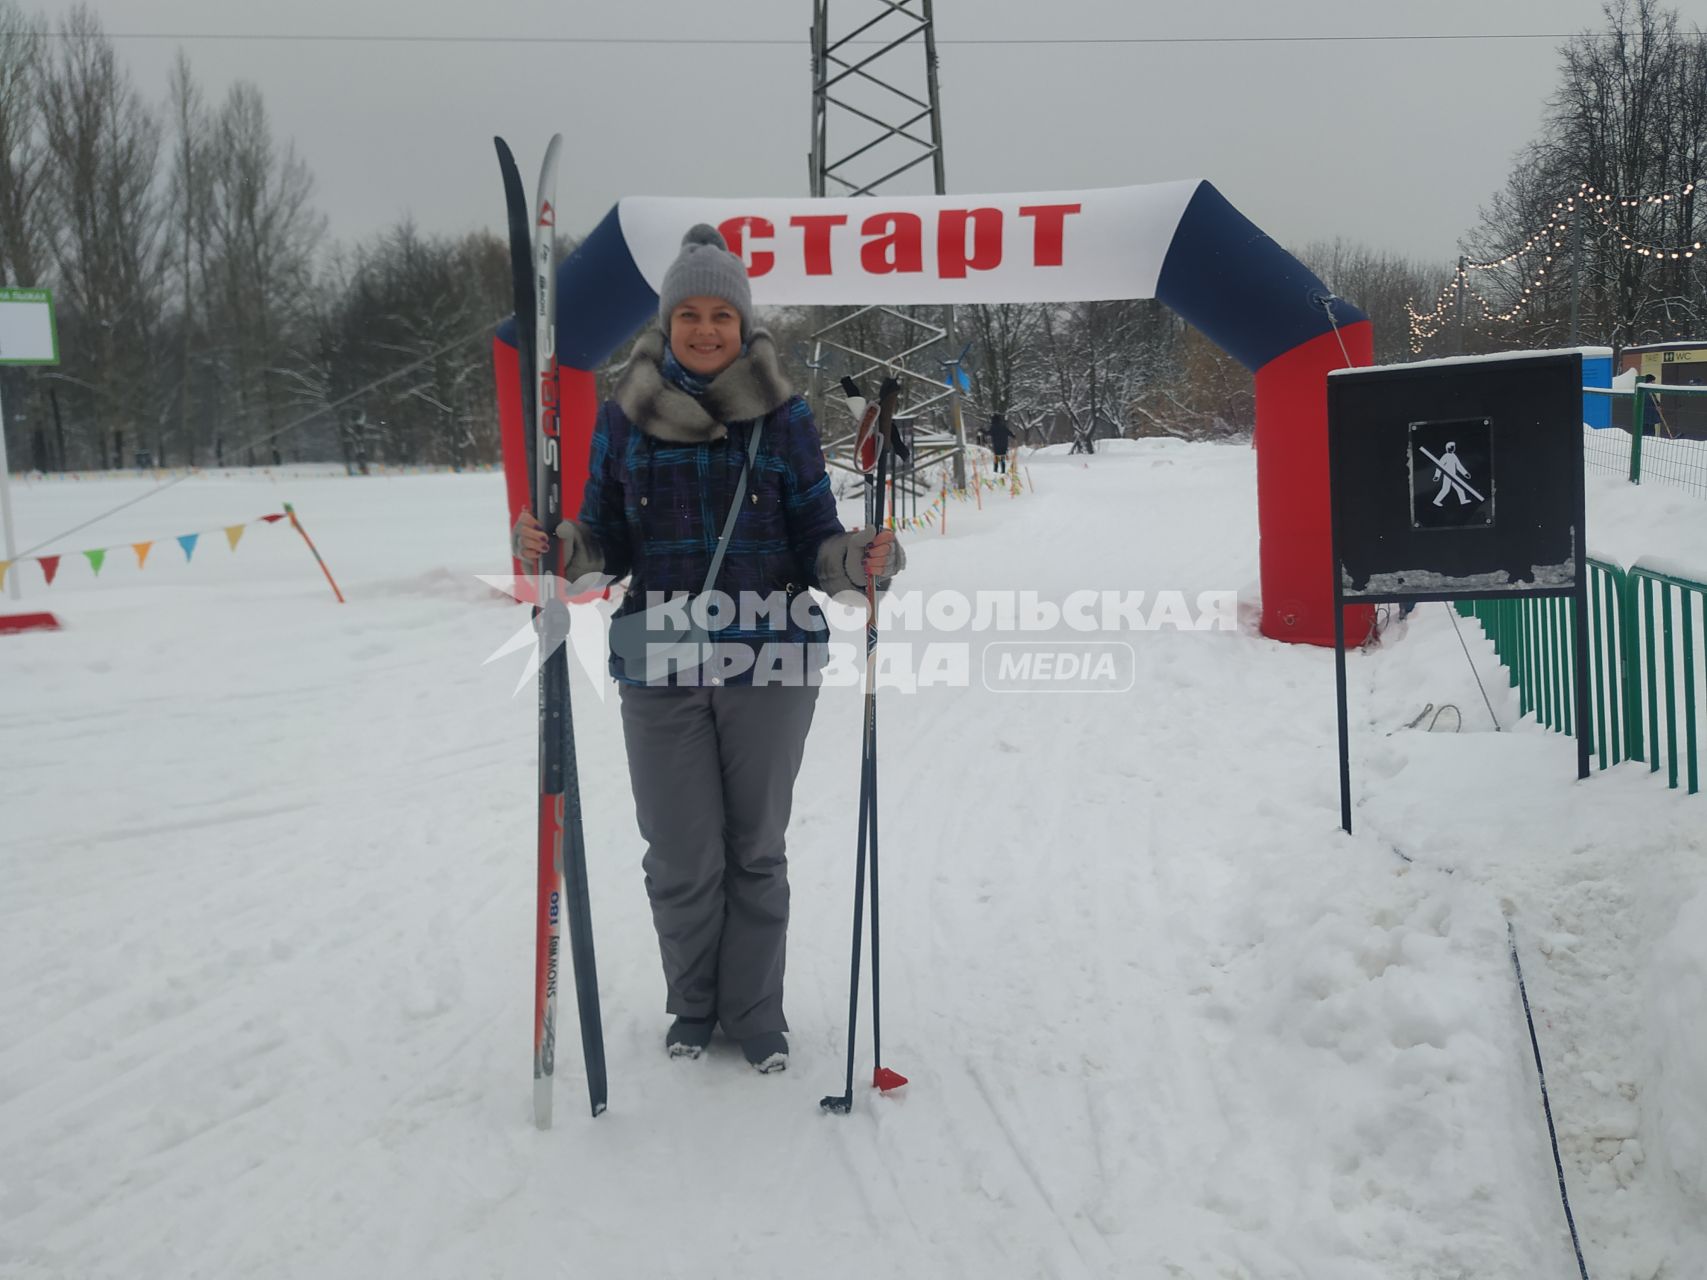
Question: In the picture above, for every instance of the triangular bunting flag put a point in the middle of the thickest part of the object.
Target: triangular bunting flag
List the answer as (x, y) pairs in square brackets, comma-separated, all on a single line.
[(4, 565), (188, 543), (276, 516), (96, 558), (141, 549), (233, 532), (49, 567)]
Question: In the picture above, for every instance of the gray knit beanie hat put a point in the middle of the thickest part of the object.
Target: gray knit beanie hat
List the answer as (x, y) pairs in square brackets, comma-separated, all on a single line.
[(706, 269)]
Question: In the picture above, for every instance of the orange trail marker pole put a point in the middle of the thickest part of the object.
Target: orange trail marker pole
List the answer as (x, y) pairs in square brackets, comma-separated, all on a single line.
[(297, 525)]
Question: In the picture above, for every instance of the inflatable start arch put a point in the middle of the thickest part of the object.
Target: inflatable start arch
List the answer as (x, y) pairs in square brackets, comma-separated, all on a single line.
[(1180, 242)]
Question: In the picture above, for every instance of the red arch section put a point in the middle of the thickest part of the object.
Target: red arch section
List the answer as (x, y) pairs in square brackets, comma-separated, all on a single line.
[(1292, 489)]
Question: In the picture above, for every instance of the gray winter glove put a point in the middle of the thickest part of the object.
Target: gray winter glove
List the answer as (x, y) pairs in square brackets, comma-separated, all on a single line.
[(841, 562), (582, 556)]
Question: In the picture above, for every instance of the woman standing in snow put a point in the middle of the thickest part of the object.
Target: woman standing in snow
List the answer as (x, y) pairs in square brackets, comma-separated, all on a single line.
[(713, 752)]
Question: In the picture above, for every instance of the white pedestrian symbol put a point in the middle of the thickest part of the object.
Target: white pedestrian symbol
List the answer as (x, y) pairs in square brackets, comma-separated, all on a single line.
[(1453, 475)]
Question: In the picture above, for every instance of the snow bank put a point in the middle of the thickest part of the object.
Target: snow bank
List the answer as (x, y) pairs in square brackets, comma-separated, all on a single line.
[(1675, 1017)]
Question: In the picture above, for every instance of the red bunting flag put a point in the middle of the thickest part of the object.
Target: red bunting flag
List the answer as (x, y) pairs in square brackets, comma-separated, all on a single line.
[(49, 567)]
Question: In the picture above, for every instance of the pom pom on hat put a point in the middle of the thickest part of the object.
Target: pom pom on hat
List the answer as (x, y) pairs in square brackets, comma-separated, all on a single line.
[(705, 233)]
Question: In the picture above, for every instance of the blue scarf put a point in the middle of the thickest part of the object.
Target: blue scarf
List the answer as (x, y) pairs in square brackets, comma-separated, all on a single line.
[(692, 383)]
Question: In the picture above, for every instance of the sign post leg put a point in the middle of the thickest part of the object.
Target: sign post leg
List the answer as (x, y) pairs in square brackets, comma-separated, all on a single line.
[(13, 575), (1345, 731)]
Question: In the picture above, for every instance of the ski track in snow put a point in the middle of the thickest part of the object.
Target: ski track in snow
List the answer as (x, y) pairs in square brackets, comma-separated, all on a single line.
[(268, 933)]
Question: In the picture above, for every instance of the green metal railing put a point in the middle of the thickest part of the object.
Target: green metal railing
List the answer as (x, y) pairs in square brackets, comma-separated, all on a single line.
[(1647, 663), (1667, 616), (1658, 432), (1536, 640)]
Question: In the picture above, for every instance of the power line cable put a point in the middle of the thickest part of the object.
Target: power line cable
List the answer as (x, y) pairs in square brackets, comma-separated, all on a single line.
[(790, 43)]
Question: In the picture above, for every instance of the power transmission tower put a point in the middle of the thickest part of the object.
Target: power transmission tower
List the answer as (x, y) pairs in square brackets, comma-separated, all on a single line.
[(876, 121)]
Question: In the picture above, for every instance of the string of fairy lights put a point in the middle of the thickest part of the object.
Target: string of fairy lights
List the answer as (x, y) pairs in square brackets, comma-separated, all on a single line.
[(1602, 206)]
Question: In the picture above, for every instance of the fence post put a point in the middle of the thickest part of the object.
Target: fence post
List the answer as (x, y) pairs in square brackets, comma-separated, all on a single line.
[(1601, 653), (1689, 694), (1629, 670), (1636, 416)]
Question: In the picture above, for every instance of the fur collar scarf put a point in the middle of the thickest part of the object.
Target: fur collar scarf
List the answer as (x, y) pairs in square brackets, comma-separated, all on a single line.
[(750, 388)]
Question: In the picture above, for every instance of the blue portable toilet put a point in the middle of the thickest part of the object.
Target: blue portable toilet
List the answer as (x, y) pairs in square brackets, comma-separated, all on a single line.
[(1597, 372)]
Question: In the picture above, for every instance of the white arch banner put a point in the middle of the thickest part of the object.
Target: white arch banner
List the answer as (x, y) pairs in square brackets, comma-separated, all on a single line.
[(1020, 247)]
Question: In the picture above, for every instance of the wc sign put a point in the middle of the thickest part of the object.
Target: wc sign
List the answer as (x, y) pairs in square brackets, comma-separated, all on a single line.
[(1452, 474)]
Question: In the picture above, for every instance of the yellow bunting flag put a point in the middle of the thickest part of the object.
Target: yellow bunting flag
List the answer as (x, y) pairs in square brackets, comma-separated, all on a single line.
[(233, 532), (4, 565), (142, 549)]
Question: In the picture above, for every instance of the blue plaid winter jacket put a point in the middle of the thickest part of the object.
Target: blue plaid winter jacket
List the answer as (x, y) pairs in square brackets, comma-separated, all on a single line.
[(663, 470)]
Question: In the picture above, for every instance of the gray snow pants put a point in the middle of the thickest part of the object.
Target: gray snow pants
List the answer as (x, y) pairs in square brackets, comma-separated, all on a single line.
[(713, 774)]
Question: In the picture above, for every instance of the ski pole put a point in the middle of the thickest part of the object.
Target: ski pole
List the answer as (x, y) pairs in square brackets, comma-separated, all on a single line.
[(881, 1077)]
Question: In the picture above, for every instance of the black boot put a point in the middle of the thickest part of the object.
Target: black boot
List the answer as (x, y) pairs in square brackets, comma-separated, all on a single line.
[(767, 1052), (687, 1037)]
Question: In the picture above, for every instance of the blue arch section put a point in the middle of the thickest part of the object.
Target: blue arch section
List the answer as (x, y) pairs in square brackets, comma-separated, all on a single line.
[(1249, 296), (602, 298)]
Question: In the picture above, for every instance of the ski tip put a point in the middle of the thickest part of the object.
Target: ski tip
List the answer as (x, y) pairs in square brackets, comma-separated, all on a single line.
[(837, 1104), (599, 1108), (886, 1080)]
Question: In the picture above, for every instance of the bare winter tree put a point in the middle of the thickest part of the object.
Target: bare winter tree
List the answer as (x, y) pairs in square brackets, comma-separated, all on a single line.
[(189, 204), (105, 235), (23, 255), (405, 299), (263, 233), (1095, 360), (1629, 120), (1004, 339)]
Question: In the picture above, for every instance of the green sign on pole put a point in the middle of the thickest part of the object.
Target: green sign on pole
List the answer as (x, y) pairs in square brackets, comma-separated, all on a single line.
[(27, 331)]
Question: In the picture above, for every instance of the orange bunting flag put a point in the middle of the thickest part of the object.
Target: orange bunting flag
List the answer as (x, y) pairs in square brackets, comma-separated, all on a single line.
[(141, 549), (233, 532), (49, 567), (96, 559)]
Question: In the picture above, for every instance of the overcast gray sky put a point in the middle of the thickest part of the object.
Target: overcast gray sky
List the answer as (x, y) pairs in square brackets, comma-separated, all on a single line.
[(1395, 144)]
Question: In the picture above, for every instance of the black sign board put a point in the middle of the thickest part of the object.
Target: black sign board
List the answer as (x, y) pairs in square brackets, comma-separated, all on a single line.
[(1453, 480)]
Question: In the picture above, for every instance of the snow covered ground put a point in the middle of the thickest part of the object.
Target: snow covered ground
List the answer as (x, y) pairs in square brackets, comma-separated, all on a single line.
[(266, 930)]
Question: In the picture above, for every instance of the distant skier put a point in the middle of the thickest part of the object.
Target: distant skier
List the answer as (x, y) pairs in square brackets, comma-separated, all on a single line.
[(999, 436), (712, 757), (1452, 473)]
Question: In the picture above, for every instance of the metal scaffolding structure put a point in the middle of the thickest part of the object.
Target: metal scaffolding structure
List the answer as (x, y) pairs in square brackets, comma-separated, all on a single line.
[(876, 121)]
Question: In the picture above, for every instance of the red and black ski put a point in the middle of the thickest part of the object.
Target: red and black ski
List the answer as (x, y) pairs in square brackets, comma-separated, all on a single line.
[(562, 854)]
